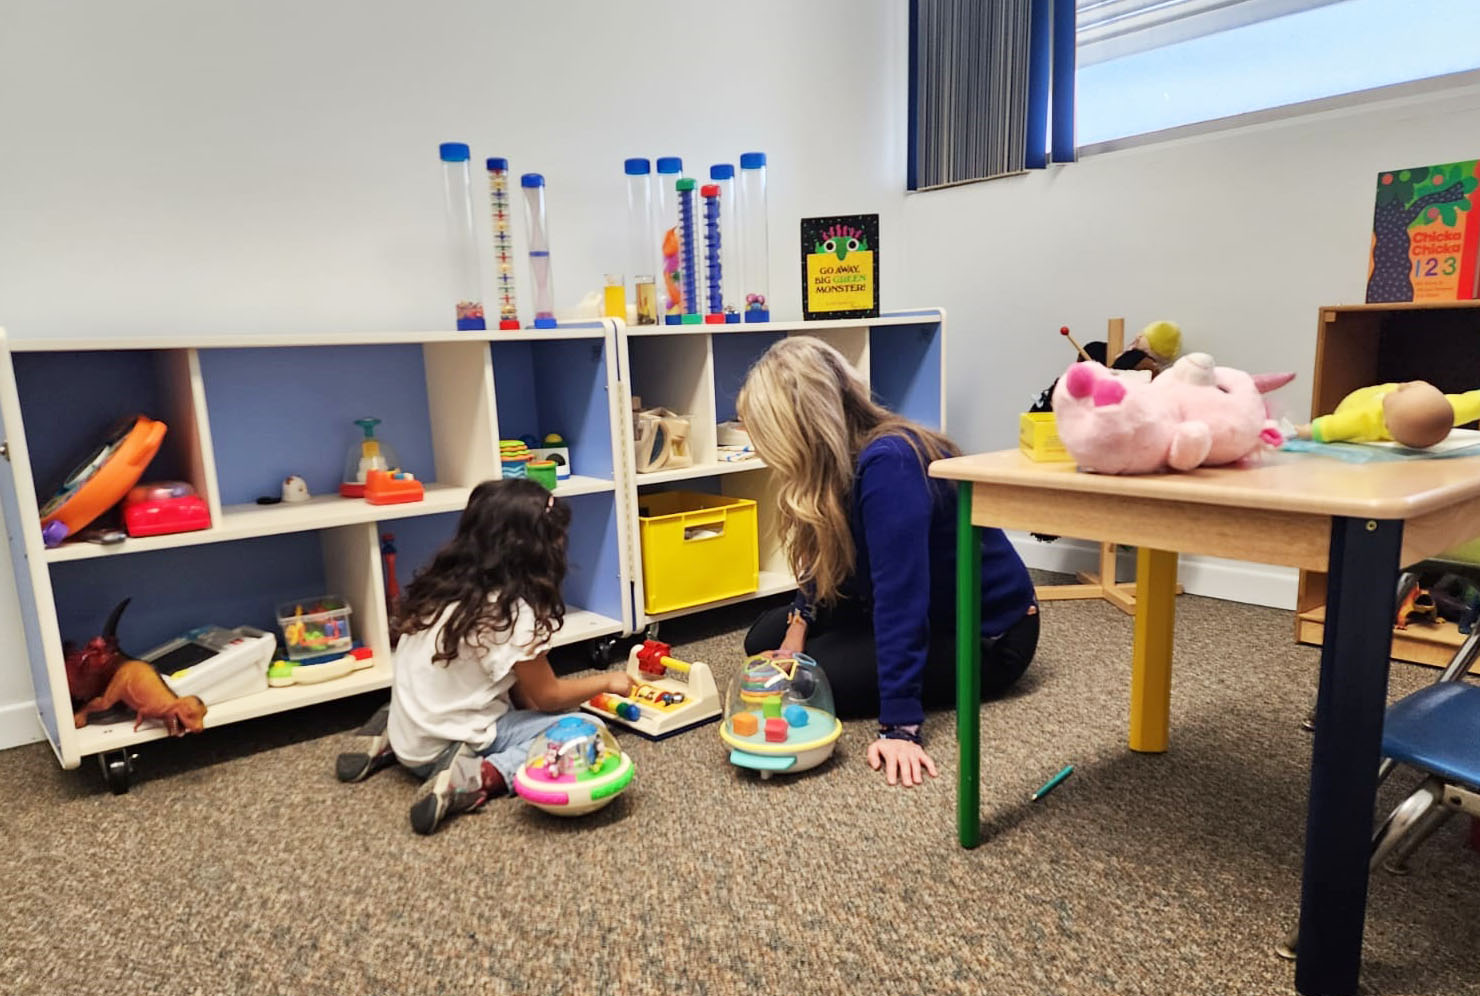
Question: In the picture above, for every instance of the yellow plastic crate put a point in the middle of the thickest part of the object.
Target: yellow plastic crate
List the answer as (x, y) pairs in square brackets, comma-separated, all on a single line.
[(696, 548), (1038, 438)]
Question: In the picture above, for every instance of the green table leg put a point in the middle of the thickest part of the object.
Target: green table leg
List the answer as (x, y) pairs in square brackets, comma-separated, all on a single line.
[(968, 670)]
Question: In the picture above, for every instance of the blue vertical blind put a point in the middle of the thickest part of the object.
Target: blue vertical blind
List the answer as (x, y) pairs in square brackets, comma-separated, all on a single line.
[(987, 78)]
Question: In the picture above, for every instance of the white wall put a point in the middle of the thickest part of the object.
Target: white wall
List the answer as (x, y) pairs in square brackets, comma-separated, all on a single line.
[(178, 167), (1237, 235)]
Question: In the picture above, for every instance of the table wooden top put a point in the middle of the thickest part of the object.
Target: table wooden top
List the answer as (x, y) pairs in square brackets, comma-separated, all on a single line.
[(1285, 482)]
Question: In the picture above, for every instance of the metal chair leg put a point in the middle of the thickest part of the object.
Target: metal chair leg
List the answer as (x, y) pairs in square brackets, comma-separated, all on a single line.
[(1399, 836), (1411, 824)]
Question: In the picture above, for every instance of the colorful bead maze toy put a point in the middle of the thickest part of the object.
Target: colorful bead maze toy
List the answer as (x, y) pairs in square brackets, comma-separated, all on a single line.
[(575, 767), (668, 696), (779, 715)]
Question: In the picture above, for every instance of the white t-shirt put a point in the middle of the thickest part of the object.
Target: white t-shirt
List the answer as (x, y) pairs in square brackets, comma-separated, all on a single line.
[(435, 703)]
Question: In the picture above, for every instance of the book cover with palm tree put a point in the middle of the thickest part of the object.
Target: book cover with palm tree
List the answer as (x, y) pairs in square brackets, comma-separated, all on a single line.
[(1424, 235)]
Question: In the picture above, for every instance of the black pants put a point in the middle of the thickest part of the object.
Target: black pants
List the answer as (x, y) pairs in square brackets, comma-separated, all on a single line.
[(841, 640)]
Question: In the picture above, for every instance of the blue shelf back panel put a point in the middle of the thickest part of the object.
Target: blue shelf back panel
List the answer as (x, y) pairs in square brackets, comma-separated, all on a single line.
[(71, 400), (26, 595), (557, 385), (223, 584), (592, 580), (733, 355), (904, 370), (282, 411)]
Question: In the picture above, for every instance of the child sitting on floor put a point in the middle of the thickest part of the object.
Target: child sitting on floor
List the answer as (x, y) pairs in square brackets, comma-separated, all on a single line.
[(474, 627)]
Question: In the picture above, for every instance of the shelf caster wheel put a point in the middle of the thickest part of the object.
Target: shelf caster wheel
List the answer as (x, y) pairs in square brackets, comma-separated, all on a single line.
[(118, 770), (1308, 724), (651, 633), (602, 649)]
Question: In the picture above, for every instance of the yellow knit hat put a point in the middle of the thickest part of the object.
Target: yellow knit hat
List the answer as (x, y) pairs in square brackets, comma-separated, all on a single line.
[(1164, 339)]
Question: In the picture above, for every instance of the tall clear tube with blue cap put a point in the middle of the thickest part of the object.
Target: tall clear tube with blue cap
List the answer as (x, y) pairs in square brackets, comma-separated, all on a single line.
[(670, 171), (756, 272), (688, 250), (533, 185), (723, 177), (641, 230), (503, 242), (462, 242)]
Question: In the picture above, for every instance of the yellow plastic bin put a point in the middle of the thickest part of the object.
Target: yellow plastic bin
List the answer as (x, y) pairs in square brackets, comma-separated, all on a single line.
[(696, 548)]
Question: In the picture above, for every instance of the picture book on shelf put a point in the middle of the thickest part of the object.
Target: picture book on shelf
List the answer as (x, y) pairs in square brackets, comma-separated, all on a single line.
[(1425, 235), (840, 267)]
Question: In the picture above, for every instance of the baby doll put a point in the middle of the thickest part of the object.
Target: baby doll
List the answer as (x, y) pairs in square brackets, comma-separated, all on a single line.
[(1414, 413)]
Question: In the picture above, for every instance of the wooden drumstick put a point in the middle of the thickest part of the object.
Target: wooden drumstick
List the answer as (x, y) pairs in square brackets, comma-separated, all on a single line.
[(1064, 331)]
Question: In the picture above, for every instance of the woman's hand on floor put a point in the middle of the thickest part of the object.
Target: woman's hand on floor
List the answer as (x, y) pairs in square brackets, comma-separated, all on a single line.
[(903, 762)]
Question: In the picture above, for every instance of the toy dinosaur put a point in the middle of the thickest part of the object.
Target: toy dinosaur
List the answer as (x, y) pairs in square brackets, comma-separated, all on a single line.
[(90, 666), (137, 685)]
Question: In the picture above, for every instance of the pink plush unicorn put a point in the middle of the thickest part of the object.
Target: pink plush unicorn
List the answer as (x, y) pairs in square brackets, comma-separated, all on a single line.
[(1194, 415)]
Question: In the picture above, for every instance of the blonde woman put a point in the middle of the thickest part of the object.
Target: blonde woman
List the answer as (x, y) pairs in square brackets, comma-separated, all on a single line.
[(872, 539)]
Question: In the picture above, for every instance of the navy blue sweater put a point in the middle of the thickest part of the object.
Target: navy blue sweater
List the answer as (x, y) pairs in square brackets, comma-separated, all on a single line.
[(904, 535)]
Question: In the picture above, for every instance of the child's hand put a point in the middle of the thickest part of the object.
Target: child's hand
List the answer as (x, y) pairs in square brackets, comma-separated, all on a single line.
[(904, 763), (619, 683)]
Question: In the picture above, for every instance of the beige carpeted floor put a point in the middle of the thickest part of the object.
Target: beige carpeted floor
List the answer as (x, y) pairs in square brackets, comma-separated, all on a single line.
[(239, 865)]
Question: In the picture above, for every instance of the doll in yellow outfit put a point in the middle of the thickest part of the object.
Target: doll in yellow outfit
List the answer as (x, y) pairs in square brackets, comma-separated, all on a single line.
[(1414, 413)]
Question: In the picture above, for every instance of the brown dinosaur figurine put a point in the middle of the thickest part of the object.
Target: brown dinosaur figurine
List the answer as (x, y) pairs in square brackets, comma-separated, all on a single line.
[(90, 666), (137, 685)]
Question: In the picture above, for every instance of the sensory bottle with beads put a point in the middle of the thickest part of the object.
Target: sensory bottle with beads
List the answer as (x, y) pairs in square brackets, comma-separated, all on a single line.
[(722, 175), (457, 202), (503, 242), (641, 227), (688, 248), (533, 185), (714, 305), (756, 270), (670, 171)]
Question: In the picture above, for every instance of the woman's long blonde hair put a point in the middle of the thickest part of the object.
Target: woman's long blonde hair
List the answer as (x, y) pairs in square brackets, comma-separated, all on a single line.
[(809, 415)]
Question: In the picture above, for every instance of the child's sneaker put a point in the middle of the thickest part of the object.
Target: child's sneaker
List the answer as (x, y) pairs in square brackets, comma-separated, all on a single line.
[(460, 781), (371, 752)]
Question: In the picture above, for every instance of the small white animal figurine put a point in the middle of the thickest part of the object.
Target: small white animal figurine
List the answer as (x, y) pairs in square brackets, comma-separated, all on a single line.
[(295, 489)]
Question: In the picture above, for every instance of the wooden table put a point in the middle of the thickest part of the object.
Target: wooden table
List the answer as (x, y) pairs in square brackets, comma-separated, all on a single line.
[(1358, 522)]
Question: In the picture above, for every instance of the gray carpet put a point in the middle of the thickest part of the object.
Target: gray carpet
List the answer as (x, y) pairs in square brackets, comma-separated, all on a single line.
[(239, 865)]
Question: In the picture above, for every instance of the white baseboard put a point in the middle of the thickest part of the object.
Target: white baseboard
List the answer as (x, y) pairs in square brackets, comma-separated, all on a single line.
[(1231, 580), (19, 725)]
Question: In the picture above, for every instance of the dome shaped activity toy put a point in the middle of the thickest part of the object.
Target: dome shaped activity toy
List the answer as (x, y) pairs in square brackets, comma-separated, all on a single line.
[(575, 767), (779, 715)]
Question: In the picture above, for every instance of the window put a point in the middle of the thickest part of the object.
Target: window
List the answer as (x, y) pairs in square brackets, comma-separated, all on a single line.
[(1146, 65)]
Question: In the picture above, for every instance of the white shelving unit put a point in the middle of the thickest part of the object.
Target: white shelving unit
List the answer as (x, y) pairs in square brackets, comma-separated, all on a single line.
[(697, 370), (245, 410)]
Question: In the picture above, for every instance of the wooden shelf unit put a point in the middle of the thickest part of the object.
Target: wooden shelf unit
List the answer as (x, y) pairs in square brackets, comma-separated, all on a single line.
[(243, 411), (1358, 345), (697, 370)]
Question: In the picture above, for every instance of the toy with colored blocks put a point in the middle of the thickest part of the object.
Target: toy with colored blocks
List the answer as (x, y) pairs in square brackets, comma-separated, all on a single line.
[(392, 487), (668, 695), (575, 767), (779, 715)]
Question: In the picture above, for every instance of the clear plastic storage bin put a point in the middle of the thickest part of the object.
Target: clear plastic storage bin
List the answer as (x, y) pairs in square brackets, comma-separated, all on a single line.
[(315, 627)]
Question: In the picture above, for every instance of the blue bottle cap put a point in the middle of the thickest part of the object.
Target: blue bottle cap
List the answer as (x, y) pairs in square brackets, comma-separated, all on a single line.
[(670, 164), (453, 152), (636, 167), (498, 162), (531, 180), (721, 171), (752, 160)]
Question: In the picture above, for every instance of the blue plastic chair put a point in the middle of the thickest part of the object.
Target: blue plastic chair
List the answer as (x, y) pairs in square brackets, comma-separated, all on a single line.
[(1435, 730)]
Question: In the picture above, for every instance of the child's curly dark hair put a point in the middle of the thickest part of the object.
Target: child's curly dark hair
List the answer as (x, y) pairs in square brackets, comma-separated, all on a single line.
[(509, 546)]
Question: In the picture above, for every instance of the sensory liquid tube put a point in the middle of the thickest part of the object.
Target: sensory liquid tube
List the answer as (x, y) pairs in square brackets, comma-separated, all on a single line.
[(723, 177), (614, 297), (688, 251), (713, 273), (539, 250), (756, 268), (641, 229), (670, 169), (503, 243), (462, 244)]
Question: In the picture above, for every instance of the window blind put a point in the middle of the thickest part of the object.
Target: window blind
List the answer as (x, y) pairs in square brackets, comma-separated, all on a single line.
[(1110, 28), (968, 90)]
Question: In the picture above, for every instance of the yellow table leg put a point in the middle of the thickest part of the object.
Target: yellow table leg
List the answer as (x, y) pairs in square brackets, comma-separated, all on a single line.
[(1151, 668)]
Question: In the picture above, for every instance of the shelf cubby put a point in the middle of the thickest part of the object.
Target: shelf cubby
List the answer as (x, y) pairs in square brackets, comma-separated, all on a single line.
[(558, 385)]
